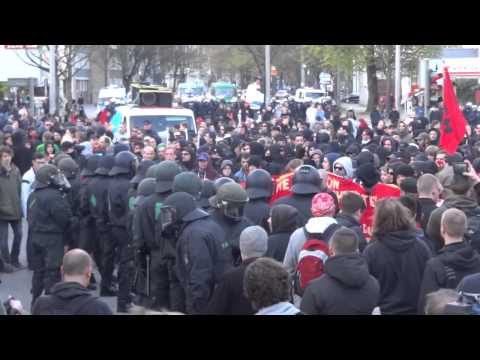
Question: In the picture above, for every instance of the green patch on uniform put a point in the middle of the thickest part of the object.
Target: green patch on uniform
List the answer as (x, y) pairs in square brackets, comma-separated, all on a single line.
[(32, 203), (131, 203), (93, 200), (158, 207)]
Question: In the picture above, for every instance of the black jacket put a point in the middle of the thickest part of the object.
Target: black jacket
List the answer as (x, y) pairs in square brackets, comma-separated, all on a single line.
[(228, 297), (350, 222), (346, 288), (70, 298), (118, 200), (284, 223), (426, 208), (230, 232), (201, 262), (48, 211), (258, 212), (303, 203), (397, 261), (144, 222), (98, 191), (459, 257)]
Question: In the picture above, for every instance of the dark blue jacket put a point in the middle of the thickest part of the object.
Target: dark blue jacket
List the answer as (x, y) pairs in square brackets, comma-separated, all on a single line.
[(201, 262)]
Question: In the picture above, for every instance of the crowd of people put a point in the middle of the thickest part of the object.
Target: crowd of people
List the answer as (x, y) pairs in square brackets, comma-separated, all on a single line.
[(195, 227)]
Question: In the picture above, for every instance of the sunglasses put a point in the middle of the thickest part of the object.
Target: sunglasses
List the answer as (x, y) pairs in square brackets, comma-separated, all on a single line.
[(338, 168), (185, 154)]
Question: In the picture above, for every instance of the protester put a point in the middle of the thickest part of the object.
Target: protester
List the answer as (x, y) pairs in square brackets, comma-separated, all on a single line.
[(267, 285), (396, 258), (71, 296), (346, 288), (228, 297)]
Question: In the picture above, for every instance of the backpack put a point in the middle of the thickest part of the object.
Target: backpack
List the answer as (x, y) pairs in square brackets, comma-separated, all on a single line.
[(310, 264)]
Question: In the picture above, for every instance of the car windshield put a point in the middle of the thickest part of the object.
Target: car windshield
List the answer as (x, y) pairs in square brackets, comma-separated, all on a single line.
[(314, 95), (224, 91), (161, 122), (191, 91)]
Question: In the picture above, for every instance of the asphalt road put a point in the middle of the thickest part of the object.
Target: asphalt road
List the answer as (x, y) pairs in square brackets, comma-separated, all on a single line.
[(19, 283)]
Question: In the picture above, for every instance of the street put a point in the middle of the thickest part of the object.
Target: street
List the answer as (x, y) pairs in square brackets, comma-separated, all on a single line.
[(19, 283)]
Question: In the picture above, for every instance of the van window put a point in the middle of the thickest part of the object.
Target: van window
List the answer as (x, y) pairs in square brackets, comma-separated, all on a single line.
[(161, 122)]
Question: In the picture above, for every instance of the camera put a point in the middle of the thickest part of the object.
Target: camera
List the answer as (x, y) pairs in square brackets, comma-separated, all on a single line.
[(460, 168)]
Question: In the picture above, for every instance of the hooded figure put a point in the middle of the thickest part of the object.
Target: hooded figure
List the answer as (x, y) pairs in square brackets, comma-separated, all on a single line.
[(22, 156), (332, 157), (192, 163), (368, 175), (346, 163), (283, 222), (279, 162)]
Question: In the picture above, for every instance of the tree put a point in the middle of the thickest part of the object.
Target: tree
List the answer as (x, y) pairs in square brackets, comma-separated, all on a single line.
[(69, 60)]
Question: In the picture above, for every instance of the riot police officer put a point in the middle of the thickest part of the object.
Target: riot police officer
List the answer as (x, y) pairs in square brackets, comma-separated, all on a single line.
[(123, 170), (70, 169), (151, 242), (87, 230), (141, 283), (259, 189), (228, 212), (104, 245), (201, 260), (48, 218)]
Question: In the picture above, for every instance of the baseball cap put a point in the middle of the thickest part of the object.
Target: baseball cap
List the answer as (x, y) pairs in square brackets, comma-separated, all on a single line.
[(203, 157)]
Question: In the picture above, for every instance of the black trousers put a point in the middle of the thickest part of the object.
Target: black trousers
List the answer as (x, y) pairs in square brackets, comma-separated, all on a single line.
[(108, 245), (126, 266), (166, 289), (47, 257)]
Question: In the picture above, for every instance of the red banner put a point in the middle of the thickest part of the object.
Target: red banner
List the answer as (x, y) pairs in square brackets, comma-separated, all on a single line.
[(282, 186), (339, 185)]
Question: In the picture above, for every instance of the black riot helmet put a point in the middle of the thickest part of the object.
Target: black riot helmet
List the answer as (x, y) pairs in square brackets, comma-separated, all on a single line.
[(259, 184), (165, 172), (105, 164), (142, 171), (91, 166), (306, 180), (151, 171), (146, 187), (188, 182), (60, 157), (68, 167), (223, 180), (231, 199), (49, 176), (125, 163), (208, 190), (180, 207)]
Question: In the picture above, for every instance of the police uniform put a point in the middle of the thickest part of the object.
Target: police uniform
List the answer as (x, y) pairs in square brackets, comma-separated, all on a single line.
[(48, 218)]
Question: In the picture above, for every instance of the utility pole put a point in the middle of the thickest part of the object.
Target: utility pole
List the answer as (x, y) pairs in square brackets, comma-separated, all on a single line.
[(267, 74), (302, 69), (52, 94), (397, 78)]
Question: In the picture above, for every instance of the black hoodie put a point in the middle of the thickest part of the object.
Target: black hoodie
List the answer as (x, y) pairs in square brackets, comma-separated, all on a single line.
[(346, 288), (277, 166), (459, 257), (70, 298), (397, 260), (22, 156), (284, 223)]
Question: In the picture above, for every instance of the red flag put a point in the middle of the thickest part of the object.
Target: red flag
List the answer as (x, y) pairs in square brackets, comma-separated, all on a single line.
[(452, 130)]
